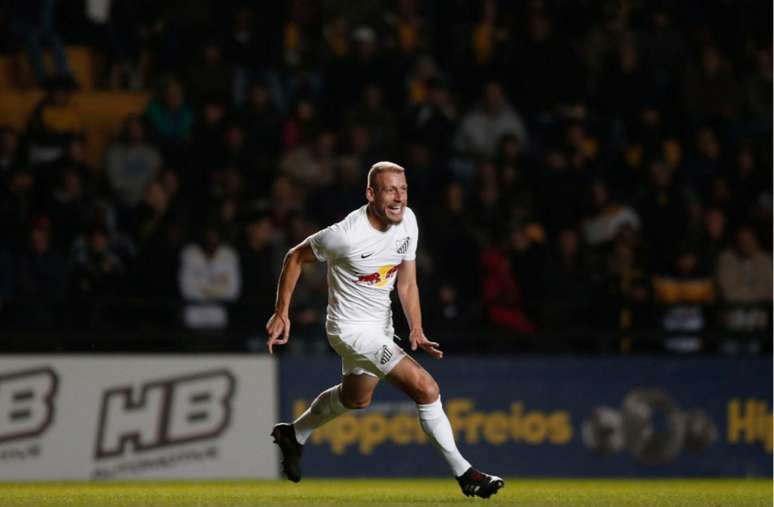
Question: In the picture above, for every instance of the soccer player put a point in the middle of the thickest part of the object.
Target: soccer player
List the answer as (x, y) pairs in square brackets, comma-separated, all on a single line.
[(366, 253)]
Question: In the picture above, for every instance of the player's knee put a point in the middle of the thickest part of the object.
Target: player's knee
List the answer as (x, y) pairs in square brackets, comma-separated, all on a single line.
[(428, 391), (356, 403)]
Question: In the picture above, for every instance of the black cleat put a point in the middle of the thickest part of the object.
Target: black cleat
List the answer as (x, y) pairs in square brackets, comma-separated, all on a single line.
[(475, 483), (285, 437)]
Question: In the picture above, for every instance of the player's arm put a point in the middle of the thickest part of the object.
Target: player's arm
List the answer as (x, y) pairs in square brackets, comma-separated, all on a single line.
[(278, 327), (408, 293)]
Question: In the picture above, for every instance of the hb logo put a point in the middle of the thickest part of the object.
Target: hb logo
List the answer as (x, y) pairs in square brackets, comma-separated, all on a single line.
[(26, 403), (165, 412)]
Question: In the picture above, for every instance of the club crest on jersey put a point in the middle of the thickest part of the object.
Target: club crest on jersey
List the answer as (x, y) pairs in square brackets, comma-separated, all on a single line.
[(386, 355), (401, 246)]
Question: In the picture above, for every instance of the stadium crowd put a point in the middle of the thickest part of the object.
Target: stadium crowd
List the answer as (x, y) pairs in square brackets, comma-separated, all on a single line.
[(578, 168)]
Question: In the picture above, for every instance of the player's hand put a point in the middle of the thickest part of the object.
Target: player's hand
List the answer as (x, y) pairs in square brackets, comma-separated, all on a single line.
[(278, 329), (417, 338)]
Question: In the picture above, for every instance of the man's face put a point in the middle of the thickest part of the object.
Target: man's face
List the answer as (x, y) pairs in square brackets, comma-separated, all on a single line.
[(389, 196)]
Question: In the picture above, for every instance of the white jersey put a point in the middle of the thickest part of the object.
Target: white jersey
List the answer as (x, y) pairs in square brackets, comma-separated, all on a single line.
[(362, 267)]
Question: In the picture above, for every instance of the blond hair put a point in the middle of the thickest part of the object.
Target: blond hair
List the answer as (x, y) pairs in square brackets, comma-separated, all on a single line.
[(381, 167)]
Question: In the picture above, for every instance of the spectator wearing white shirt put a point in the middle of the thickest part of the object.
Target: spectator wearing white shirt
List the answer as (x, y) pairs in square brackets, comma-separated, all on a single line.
[(484, 125), (209, 277), (132, 163)]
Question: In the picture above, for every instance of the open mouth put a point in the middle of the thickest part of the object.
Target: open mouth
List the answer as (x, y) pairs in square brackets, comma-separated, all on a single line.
[(395, 209)]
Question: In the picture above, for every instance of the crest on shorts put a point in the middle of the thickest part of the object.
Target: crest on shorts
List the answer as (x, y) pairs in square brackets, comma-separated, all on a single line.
[(401, 246), (386, 355)]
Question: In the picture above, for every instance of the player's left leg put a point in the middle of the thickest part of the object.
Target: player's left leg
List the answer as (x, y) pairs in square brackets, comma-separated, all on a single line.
[(354, 392), (419, 385)]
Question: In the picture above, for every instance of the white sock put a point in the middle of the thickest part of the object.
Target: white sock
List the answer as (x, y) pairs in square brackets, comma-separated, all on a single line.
[(325, 407), (435, 423)]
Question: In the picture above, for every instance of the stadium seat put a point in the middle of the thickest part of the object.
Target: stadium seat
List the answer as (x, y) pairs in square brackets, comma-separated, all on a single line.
[(103, 114)]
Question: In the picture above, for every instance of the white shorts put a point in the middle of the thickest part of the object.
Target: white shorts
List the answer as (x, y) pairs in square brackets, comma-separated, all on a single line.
[(366, 351)]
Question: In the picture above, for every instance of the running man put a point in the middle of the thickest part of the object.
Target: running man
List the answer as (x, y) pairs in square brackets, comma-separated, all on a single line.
[(366, 253)]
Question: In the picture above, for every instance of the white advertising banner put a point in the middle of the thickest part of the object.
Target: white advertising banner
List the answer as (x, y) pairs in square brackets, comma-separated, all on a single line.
[(137, 417)]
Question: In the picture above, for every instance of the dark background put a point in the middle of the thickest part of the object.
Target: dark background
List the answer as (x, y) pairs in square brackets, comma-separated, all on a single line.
[(588, 176)]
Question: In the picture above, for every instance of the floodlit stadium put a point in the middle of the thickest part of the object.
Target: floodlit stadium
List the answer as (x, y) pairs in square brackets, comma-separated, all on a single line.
[(386, 252)]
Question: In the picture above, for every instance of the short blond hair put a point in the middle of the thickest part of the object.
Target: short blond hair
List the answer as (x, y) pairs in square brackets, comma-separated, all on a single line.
[(381, 167)]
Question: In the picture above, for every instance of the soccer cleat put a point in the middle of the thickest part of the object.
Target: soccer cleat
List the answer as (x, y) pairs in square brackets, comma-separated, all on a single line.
[(475, 483), (285, 437)]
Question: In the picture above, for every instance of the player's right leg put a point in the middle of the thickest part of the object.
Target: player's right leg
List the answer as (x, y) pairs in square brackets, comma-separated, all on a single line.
[(419, 385), (355, 391)]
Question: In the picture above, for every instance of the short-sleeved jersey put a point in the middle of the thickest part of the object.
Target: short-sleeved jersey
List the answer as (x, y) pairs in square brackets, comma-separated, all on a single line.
[(362, 267)]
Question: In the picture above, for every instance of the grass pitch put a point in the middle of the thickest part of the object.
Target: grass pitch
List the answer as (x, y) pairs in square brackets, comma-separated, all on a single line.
[(390, 492)]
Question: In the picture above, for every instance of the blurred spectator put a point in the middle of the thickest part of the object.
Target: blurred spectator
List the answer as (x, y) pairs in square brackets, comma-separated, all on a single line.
[(684, 292), (501, 294), (608, 216), (757, 87), (549, 63), (309, 298), (209, 277), (336, 37), (127, 67), (744, 277), (312, 164), (408, 28), (96, 279), (348, 188), (711, 90), (131, 163), (706, 162), (426, 176), (260, 260), (489, 38), (567, 289), (262, 121), (70, 207), (625, 306), (253, 47), (235, 150), (748, 183), (347, 77), (93, 177), (158, 231), (54, 122), (373, 115), (450, 238), (663, 209), (434, 119), (487, 203), (712, 239), (482, 127), (604, 37), (170, 118), (301, 33), (40, 279), (10, 158), (526, 253), (302, 126), (559, 203), (665, 51), (19, 200), (626, 86), (423, 74), (34, 22), (7, 281), (210, 76)]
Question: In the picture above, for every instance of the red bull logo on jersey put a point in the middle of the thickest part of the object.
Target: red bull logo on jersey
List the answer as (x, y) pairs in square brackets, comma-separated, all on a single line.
[(380, 277)]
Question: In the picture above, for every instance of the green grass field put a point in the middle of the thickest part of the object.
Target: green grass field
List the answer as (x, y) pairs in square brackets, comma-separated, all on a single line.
[(575, 493)]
